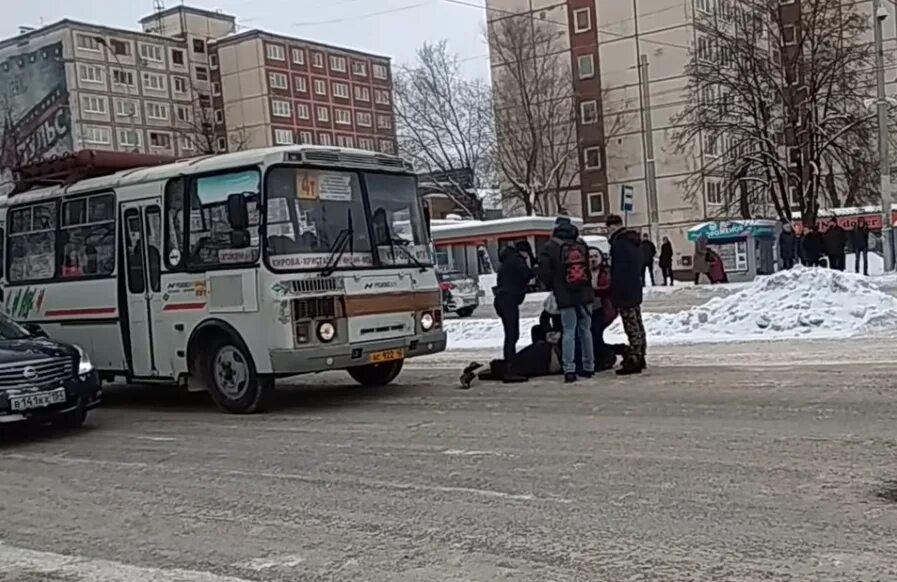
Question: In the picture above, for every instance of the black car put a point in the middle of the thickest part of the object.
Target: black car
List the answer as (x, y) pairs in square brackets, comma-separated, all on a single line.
[(42, 380)]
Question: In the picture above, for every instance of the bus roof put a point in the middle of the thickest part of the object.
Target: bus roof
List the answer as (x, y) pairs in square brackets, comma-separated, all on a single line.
[(316, 155)]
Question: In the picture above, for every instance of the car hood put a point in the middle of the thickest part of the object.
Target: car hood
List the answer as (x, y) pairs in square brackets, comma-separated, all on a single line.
[(26, 350)]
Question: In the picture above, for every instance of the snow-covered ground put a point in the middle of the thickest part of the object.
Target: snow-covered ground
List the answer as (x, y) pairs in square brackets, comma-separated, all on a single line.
[(801, 303)]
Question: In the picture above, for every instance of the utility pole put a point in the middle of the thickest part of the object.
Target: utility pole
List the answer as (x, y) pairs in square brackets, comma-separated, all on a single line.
[(879, 14), (648, 143)]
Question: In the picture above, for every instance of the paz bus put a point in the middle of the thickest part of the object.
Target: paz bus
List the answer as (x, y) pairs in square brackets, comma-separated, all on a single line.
[(225, 272)]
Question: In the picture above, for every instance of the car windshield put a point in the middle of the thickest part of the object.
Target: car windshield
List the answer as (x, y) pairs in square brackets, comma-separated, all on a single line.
[(10, 330)]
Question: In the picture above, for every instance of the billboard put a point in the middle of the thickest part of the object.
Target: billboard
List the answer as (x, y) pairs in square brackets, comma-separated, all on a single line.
[(35, 119)]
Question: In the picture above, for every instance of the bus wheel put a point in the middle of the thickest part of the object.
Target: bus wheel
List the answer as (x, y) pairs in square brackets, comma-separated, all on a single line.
[(375, 375), (231, 378)]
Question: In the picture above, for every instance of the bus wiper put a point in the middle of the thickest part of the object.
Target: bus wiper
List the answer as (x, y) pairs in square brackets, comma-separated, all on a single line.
[(339, 248), (402, 244)]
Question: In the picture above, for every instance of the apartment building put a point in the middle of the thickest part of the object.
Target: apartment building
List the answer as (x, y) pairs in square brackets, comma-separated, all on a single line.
[(606, 41), (184, 85)]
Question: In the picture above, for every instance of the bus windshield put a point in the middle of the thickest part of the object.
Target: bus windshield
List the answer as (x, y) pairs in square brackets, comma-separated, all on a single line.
[(308, 211)]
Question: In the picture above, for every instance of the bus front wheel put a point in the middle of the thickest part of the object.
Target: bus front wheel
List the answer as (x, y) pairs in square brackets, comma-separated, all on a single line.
[(376, 375), (231, 379)]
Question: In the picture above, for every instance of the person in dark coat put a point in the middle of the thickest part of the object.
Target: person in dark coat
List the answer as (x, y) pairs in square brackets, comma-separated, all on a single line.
[(814, 247), (649, 251), (859, 241), (835, 240), (603, 312), (666, 261), (564, 269), (787, 246), (511, 282), (626, 268)]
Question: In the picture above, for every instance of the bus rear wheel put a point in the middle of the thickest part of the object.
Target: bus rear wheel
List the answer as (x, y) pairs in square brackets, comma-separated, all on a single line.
[(376, 375), (231, 379)]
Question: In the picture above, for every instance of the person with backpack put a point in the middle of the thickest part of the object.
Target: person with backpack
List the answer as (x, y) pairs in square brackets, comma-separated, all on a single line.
[(564, 270), (626, 268)]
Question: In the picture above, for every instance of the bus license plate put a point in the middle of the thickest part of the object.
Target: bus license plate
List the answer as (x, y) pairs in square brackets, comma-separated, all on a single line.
[(39, 400), (386, 356)]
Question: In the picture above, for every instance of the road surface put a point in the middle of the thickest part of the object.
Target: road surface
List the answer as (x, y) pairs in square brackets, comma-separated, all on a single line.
[(743, 462)]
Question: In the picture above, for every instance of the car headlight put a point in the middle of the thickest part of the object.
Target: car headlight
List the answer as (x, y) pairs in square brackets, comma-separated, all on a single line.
[(326, 331), (85, 366), (426, 321)]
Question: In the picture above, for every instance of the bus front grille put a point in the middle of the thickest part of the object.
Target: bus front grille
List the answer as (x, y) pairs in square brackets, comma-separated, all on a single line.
[(314, 308), (36, 372), (316, 286)]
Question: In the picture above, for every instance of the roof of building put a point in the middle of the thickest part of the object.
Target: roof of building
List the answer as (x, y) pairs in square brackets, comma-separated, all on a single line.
[(69, 23), (258, 33), (189, 9)]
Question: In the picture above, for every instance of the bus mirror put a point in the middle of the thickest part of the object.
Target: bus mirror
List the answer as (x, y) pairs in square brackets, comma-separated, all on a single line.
[(239, 239), (237, 212)]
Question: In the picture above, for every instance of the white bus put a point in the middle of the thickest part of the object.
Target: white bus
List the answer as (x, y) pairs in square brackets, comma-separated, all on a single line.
[(226, 272)]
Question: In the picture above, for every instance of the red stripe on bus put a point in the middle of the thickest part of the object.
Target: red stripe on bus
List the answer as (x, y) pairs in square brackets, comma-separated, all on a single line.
[(184, 306), (80, 312)]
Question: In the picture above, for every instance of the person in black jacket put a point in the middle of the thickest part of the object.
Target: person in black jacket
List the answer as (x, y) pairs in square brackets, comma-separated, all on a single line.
[(649, 251), (814, 247), (626, 291), (511, 282), (859, 241), (564, 269), (835, 240), (666, 261), (787, 246)]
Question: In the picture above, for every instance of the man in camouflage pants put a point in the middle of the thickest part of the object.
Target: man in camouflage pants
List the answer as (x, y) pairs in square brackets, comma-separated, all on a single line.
[(626, 268)]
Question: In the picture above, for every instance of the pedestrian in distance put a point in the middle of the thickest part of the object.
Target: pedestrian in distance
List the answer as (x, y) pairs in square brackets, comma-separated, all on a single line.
[(859, 241), (626, 291), (814, 246), (649, 251), (835, 241), (666, 261), (700, 265), (787, 246), (564, 269), (512, 280)]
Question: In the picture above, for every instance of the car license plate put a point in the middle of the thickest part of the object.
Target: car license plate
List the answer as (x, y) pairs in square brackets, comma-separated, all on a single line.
[(37, 400), (386, 356)]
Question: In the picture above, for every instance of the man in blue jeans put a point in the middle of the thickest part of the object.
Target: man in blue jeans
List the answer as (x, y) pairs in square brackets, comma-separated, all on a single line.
[(564, 269)]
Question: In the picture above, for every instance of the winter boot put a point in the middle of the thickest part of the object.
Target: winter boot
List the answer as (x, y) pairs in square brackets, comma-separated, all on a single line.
[(570, 377), (468, 375), (631, 365), (643, 363)]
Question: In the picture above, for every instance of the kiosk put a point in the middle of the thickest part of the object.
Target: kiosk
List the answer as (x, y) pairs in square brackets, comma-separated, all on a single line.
[(747, 247)]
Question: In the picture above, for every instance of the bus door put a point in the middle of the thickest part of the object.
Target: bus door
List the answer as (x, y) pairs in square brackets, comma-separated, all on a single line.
[(142, 241)]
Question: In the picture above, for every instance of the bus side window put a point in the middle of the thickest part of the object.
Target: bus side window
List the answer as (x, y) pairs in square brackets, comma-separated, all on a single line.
[(174, 223), (154, 246), (134, 250)]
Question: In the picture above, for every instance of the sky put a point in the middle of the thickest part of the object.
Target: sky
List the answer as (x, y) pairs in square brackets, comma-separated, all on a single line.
[(394, 28)]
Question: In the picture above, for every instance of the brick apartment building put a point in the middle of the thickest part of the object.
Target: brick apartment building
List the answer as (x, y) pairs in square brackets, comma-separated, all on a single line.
[(184, 85)]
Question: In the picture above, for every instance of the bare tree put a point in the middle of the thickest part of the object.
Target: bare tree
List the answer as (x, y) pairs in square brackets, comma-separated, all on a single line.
[(779, 121), (444, 125), (198, 127)]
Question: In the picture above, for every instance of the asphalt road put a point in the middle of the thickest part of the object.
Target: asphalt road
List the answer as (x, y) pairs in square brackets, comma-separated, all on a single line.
[(707, 468)]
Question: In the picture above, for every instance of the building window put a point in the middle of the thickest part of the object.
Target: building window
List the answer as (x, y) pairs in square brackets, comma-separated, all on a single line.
[(275, 52), (789, 35), (202, 74), (213, 61), (359, 69), (364, 119), (97, 135), (300, 84), (380, 72), (714, 193), (387, 146), (222, 144), (283, 137), (342, 116), (281, 109), (216, 89), (186, 143), (384, 122), (179, 85), (705, 49), (298, 56), (582, 20), (157, 139), (129, 138), (317, 60), (121, 77), (588, 112), (341, 90), (595, 201), (591, 157), (302, 111), (278, 81), (323, 113), (91, 73), (153, 82), (366, 143), (711, 146), (120, 47), (177, 57), (88, 43), (219, 117), (338, 64), (305, 137), (381, 97), (184, 113), (362, 94), (585, 64), (345, 141), (324, 139), (156, 110), (320, 87), (125, 108), (93, 104), (199, 46), (151, 52)]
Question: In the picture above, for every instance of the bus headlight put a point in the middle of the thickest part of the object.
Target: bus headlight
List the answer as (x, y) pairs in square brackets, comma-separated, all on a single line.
[(427, 321), (326, 331), (85, 366)]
